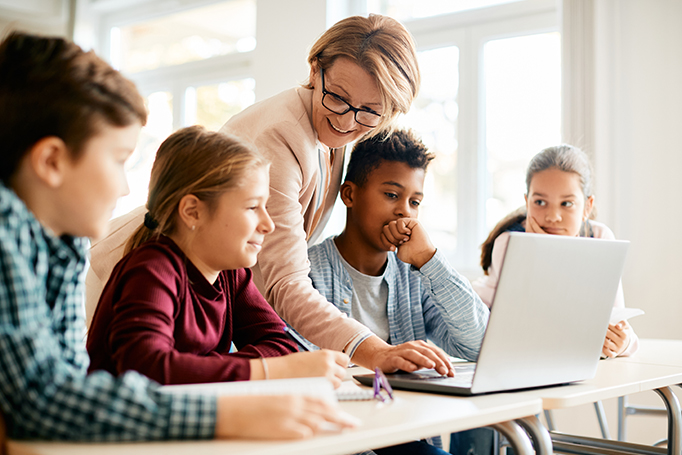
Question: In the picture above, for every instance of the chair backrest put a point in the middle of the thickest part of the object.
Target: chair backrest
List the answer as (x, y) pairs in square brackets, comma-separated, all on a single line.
[(105, 254)]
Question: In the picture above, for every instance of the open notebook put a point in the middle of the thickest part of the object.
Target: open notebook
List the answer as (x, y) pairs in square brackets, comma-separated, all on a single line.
[(317, 387)]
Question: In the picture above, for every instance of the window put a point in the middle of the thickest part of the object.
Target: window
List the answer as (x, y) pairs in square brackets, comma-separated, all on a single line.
[(489, 101), (186, 36), (522, 84), (433, 116), (193, 66), (213, 105), (410, 9), (139, 165)]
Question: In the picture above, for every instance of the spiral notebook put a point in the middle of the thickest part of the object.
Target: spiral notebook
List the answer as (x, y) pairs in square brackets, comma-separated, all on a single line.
[(349, 391), (318, 387)]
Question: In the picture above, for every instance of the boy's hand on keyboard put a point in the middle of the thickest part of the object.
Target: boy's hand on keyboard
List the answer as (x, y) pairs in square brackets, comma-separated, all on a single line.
[(415, 355)]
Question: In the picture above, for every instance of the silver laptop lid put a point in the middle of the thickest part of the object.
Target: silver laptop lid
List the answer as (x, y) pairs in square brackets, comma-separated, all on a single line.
[(550, 311)]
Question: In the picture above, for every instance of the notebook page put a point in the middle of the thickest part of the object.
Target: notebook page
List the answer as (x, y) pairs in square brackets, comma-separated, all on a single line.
[(315, 387)]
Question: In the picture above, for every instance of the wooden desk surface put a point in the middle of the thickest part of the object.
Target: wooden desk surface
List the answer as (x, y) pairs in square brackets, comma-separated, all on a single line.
[(411, 416)]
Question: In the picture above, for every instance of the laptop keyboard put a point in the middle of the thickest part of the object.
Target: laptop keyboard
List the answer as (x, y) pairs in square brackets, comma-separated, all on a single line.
[(464, 376)]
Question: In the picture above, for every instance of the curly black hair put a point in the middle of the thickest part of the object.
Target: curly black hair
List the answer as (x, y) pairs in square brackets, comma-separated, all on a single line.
[(402, 146)]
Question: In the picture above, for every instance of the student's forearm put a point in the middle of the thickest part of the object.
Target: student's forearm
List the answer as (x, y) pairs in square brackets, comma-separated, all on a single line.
[(454, 313), (367, 353)]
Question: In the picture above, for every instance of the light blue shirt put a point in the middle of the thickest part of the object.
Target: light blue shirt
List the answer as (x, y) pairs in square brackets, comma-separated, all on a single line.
[(434, 302)]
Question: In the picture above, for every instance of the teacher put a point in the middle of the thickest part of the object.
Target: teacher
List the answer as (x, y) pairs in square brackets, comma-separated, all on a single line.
[(363, 74)]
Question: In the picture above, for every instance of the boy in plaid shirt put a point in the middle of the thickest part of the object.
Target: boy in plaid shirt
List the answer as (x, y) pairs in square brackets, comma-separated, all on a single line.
[(69, 122)]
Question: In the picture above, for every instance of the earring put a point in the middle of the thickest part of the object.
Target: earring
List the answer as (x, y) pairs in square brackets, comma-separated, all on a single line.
[(193, 227)]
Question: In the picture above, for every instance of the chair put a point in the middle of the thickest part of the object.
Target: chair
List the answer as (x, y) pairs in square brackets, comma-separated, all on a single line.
[(601, 417), (624, 410)]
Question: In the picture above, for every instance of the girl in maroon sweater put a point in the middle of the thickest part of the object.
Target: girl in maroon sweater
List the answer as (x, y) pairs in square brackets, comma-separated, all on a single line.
[(183, 292)]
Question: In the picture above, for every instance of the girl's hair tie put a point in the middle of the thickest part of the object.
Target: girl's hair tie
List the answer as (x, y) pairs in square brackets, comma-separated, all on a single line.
[(149, 221)]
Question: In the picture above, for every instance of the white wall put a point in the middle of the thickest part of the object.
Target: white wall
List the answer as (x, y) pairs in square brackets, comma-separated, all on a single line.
[(638, 163), (639, 151), (299, 23)]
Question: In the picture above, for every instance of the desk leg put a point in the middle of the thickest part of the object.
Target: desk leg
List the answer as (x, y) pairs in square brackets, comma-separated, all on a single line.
[(518, 438), (542, 441), (672, 404)]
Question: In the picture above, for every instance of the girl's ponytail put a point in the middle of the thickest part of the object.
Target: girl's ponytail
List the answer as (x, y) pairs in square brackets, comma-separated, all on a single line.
[(194, 161)]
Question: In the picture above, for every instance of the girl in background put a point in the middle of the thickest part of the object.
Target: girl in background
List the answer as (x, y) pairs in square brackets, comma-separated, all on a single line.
[(183, 291), (559, 201)]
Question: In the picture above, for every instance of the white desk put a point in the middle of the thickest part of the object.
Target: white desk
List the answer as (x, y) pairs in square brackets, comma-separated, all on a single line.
[(656, 366), (657, 352), (411, 416)]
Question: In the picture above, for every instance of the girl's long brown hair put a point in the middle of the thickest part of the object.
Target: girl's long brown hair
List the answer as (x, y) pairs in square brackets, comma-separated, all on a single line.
[(194, 161)]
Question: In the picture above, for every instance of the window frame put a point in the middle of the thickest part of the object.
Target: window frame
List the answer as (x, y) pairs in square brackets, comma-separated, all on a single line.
[(177, 78), (470, 31)]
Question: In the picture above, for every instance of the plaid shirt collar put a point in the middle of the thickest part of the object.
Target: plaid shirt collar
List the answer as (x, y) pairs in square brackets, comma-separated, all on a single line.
[(13, 210)]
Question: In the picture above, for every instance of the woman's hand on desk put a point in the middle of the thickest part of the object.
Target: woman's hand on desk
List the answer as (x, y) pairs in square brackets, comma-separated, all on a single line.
[(329, 364), (278, 417), (617, 339)]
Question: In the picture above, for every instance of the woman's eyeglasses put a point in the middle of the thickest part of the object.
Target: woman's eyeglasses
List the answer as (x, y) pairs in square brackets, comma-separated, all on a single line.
[(339, 106)]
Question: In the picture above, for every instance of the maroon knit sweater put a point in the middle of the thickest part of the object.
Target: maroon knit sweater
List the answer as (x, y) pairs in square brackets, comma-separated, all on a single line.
[(158, 315)]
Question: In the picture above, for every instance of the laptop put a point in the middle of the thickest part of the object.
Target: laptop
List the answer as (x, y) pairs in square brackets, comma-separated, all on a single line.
[(548, 320)]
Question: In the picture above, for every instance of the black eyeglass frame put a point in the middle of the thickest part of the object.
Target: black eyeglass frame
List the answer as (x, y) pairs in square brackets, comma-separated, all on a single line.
[(355, 110)]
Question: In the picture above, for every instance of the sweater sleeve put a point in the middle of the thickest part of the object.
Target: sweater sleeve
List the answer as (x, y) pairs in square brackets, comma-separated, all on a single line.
[(454, 315), (141, 331), (258, 330)]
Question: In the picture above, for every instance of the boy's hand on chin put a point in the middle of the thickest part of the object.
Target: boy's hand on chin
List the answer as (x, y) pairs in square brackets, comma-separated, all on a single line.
[(409, 237)]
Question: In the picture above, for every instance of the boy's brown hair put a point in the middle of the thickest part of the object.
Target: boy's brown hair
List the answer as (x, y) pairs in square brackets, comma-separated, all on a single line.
[(51, 87)]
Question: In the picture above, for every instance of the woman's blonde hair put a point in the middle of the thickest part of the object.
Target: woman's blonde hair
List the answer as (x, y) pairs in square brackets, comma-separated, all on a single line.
[(194, 161), (566, 158), (384, 48)]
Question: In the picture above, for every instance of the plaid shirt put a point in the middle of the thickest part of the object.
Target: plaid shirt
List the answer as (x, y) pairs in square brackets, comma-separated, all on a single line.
[(44, 390)]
